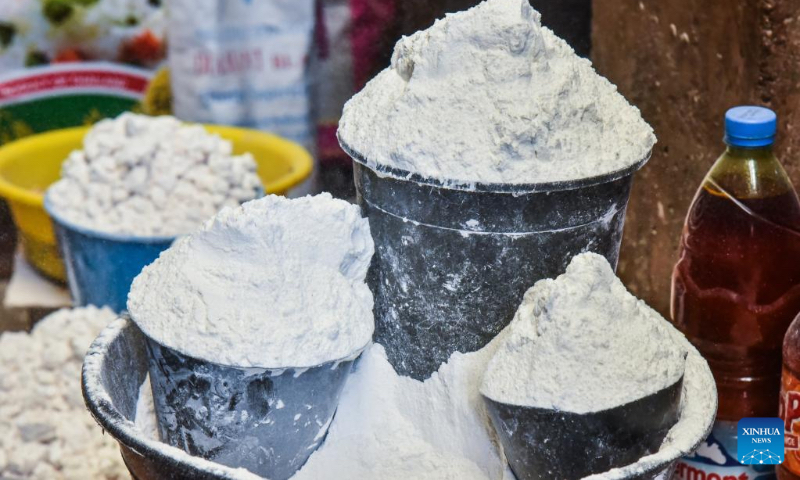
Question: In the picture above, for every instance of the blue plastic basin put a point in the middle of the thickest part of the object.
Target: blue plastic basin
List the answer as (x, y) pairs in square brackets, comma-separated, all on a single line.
[(101, 266)]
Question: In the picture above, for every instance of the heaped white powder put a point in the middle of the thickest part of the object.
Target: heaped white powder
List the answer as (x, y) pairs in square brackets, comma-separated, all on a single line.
[(151, 176), (275, 283), (582, 343), (45, 431), (390, 427), (489, 95)]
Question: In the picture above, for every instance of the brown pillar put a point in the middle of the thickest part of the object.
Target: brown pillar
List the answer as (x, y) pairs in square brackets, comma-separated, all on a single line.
[(683, 63)]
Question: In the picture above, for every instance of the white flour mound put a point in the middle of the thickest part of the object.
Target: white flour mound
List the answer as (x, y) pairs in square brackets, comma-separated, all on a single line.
[(582, 343), (489, 95), (275, 283), (45, 431), (390, 427), (151, 176)]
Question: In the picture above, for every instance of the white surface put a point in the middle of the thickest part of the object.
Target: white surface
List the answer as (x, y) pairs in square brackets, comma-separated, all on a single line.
[(29, 289), (582, 343), (146, 420), (151, 176), (275, 283), (489, 95)]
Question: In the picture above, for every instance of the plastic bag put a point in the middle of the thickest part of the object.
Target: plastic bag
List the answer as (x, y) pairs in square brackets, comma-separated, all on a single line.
[(243, 62)]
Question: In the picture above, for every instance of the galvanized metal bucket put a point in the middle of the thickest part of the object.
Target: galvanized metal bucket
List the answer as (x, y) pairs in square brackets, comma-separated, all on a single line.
[(452, 261), (268, 421)]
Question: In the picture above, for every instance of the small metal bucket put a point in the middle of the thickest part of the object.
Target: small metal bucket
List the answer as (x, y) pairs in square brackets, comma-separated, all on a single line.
[(268, 421)]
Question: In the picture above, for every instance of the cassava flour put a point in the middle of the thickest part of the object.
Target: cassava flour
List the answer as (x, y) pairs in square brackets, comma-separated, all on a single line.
[(151, 176), (275, 283), (489, 95), (582, 343), (45, 431)]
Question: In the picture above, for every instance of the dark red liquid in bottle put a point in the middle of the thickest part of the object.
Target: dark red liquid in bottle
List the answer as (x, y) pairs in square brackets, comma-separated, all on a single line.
[(736, 289)]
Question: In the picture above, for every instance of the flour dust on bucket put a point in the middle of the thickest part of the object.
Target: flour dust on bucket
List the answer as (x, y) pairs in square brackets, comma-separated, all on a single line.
[(541, 444), (268, 421), (452, 261)]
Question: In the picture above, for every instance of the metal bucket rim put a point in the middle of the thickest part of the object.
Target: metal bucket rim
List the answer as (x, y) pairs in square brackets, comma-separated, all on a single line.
[(478, 187), (346, 358), (122, 429), (99, 234)]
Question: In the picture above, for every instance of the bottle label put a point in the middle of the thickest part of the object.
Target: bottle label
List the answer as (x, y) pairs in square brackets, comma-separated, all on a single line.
[(715, 459), (790, 413)]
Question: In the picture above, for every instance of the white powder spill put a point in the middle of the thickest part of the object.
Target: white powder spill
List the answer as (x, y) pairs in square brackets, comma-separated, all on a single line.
[(151, 176), (582, 343), (489, 95), (275, 283), (145, 419), (45, 431), (390, 427)]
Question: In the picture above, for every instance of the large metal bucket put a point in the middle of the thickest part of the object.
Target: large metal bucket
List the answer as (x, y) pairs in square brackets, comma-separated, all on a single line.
[(452, 262)]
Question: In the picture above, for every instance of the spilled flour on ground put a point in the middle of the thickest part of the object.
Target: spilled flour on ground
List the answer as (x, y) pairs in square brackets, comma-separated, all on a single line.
[(490, 95), (151, 176), (582, 343), (275, 283), (45, 431)]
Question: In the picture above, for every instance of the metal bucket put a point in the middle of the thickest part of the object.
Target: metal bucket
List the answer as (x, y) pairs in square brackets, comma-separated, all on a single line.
[(268, 421), (542, 444), (101, 266), (452, 261), (113, 371)]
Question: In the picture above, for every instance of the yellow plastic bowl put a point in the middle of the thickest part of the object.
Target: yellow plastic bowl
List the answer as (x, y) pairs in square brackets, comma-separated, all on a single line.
[(29, 166)]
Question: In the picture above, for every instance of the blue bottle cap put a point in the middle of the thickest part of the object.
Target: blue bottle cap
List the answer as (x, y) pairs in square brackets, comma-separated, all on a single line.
[(750, 126)]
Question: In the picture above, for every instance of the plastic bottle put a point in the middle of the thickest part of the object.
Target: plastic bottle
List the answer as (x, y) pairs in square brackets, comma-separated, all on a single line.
[(790, 403), (736, 286)]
